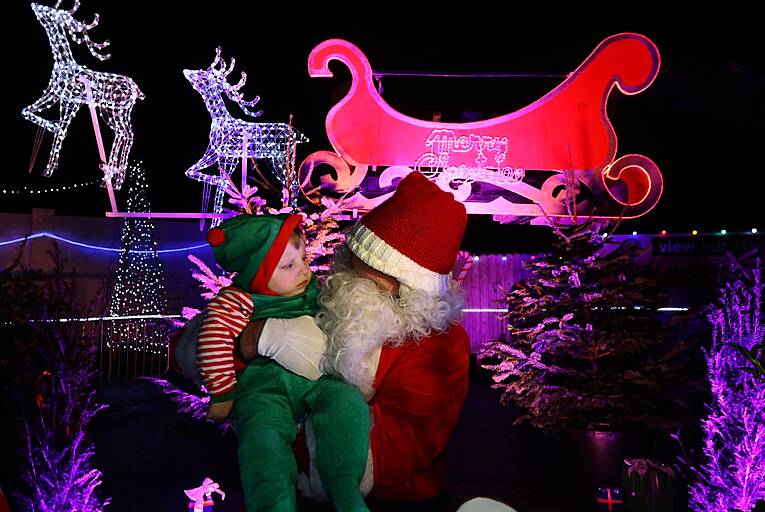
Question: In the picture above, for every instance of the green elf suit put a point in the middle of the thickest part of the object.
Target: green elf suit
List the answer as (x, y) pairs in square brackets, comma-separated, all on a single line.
[(268, 399)]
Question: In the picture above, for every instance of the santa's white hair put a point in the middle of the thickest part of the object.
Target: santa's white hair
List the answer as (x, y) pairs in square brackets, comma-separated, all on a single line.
[(359, 318)]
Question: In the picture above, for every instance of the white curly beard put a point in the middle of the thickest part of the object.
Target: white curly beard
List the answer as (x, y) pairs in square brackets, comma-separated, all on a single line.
[(359, 318)]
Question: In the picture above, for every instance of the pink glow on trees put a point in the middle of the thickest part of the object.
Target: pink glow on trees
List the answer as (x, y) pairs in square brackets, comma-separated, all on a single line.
[(733, 474)]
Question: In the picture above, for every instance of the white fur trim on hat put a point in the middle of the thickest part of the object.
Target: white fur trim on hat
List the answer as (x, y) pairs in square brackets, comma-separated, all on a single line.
[(375, 252)]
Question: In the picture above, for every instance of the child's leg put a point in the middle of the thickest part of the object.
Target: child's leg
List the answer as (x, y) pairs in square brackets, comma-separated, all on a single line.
[(341, 423), (268, 398)]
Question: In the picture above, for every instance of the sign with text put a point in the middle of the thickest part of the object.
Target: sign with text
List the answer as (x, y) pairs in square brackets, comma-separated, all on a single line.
[(705, 245)]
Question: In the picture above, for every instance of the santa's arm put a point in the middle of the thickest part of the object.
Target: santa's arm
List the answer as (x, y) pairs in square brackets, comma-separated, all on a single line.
[(416, 406)]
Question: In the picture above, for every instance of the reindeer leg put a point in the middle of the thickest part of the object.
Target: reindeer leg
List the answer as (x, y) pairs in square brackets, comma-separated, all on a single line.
[(46, 101), (220, 193), (280, 170), (111, 170), (209, 159), (68, 111), (127, 144), (229, 166), (123, 141)]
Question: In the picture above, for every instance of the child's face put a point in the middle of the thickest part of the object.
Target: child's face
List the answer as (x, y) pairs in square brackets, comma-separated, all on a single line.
[(292, 274)]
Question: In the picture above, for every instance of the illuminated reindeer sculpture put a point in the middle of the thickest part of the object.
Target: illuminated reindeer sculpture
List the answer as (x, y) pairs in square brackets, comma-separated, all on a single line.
[(232, 139), (71, 85)]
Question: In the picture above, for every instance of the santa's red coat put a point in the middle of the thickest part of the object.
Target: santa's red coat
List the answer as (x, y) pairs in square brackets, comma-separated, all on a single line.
[(419, 390)]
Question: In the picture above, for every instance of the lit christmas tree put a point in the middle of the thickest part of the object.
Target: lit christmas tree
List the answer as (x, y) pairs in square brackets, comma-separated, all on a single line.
[(139, 290), (585, 343)]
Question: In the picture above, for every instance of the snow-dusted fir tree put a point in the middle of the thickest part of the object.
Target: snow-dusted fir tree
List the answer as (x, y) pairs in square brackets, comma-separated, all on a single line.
[(585, 343), (732, 475)]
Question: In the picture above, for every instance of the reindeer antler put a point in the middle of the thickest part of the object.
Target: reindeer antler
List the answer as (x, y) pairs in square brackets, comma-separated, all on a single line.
[(217, 60), (72, 10), (230, 67), (79, 31), (240, 83), (220, 60), (232, 91)]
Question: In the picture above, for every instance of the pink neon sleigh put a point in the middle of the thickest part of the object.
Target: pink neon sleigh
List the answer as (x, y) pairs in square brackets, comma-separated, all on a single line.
[(517, 165)]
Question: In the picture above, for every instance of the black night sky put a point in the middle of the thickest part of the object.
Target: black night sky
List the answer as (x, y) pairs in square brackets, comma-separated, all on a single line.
[(701, 121)]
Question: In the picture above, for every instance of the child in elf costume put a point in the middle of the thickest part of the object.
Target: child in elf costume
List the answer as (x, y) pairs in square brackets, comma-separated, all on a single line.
[(274, 281)]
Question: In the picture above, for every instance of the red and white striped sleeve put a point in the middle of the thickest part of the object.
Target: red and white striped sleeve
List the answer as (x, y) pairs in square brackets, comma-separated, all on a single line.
[(226, 316)]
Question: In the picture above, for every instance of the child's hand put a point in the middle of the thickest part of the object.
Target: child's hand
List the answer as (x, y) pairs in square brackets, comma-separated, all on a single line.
[(247, 342), (220, 410)]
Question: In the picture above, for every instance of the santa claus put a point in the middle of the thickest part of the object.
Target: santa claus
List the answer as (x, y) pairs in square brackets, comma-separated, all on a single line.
[(390, 311)]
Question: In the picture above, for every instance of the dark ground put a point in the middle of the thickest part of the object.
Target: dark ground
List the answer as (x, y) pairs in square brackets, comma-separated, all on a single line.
[(149, 453)]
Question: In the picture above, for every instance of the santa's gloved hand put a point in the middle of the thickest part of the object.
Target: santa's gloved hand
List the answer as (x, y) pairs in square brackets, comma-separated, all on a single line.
[(295, 343)]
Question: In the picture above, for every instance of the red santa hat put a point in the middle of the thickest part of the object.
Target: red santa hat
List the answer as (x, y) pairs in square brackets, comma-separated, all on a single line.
[(413, 236)]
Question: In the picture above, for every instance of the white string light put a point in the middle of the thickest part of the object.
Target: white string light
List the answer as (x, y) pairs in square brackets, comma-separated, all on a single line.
[(71, 85), (101, 319), (25, 190), (45, 234), (53, 236), (695, 232)]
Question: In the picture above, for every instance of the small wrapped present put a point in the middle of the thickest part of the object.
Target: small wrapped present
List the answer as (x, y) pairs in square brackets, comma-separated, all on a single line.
[(610, 499), (648, 486)]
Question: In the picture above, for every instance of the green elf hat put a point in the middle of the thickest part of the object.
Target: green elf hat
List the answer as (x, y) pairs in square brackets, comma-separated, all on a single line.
[(251, 246)]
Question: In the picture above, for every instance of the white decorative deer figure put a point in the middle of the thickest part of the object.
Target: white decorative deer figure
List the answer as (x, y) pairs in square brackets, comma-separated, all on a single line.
[(71, 85), (233, 139)]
